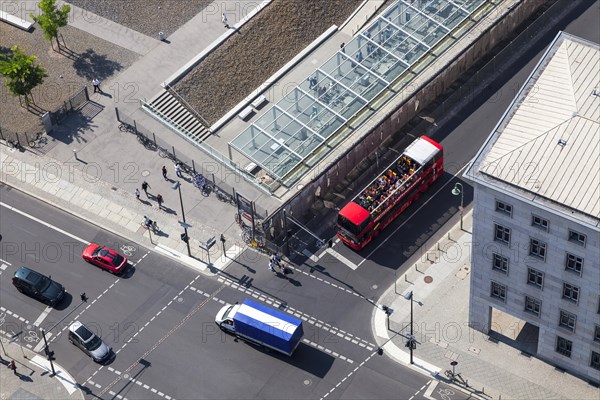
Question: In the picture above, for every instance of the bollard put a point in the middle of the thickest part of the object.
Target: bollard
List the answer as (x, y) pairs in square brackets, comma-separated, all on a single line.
[(75, 154)]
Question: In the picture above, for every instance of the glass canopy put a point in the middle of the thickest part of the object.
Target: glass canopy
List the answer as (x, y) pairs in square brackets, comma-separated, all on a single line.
[(288, 139)]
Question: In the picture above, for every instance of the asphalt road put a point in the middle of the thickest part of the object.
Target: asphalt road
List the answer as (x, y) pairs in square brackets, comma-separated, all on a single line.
[(159, 319)]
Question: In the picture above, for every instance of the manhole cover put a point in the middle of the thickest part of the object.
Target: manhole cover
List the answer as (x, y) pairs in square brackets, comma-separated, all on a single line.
[(428, 279), (374, 287), (145, 173), (307, 382)]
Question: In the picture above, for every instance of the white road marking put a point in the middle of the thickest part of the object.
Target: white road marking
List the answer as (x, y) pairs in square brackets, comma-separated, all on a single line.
[(389, 236), (5, 262), (432, 385), (39, 221), (63, 376), (341, 258), (41, 343), (42, 316), (290, 310)]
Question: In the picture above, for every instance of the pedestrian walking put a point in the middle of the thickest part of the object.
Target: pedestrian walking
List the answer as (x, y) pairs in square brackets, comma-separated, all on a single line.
[(164, 172), (178, 170), (12, 366), (145, 187), (224, 20), (343, 47), (272, 267), (159, 200), (96, 84), (137, 193)]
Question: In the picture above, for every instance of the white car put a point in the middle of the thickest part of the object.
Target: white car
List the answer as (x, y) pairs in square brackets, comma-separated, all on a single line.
[(82, 337)]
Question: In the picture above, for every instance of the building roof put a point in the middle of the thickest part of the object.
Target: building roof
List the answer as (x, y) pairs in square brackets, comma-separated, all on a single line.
[(304, 126), (547, 145)]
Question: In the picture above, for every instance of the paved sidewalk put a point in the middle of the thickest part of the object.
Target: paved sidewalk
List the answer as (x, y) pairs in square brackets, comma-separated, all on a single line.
[(492, 369), (71, 189), (33, 380)]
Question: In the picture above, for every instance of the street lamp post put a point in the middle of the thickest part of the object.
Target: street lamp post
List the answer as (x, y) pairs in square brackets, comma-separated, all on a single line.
[(186, 238), (458, 190), (411, 340)]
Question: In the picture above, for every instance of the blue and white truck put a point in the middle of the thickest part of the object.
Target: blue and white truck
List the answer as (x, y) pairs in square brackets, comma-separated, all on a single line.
[(262, 325)]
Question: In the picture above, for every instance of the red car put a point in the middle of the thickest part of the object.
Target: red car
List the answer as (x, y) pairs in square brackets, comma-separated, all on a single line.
[(105, 258)]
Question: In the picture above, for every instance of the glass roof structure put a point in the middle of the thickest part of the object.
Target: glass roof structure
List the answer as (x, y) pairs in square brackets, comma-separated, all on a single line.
[(301, 128)]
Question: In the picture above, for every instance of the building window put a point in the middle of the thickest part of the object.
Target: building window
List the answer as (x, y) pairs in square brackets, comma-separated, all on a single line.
[(567, 320), (500, 263), (501, 234), (597, 333), (570, 292), (498, 291), (595, 361), (564, 346), (539, 222), (574, 263), (537, 248), (533, 305), (503, 208), (535, 277), (576, 237)]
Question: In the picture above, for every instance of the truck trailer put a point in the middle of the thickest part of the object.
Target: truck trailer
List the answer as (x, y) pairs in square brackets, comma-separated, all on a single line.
[(262, 325)]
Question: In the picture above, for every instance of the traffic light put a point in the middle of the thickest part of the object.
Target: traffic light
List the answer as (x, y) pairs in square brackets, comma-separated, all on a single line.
[(83, 297), (49, 354), (185, 237)]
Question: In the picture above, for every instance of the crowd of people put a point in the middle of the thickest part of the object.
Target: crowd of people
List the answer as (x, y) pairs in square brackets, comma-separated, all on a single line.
[(391, 185)]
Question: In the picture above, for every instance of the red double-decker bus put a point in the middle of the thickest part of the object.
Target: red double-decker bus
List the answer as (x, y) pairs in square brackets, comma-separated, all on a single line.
[(401, 183)]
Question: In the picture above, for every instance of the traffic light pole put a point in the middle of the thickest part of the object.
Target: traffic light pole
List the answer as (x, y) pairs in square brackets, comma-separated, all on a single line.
[(177, 185), (49, 353)]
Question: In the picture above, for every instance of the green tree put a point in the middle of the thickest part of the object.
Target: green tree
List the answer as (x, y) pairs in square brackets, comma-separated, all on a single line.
[(21, 73), (52, 19)]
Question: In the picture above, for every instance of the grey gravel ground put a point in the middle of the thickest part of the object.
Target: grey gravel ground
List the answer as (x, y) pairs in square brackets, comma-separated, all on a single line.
[(147, 16), (85, 58), (266, 43)]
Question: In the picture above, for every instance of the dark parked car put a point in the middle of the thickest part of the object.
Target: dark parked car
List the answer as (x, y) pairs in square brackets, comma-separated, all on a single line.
[(82, 337), (38, 286)]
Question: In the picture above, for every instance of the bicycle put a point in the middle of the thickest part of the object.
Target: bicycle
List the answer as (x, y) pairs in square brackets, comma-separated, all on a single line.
[(14, 144), (201, 183), (146, 142), (256, 241), (123, 127), (38, 141), (224, 197)]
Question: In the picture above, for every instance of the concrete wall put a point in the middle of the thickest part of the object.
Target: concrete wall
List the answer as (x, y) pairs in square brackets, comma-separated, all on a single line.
[(586, 310), (385, 129)]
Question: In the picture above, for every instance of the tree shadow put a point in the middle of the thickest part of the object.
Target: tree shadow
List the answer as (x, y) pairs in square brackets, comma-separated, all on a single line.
[(91, 65), (76, 128)]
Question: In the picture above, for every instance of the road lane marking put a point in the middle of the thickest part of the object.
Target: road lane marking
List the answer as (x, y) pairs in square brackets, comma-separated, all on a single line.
[(42, 316), (412, 215), (292, 311), (432, 385), (349, 375), (39, 221), (341, 258), (5, 262)]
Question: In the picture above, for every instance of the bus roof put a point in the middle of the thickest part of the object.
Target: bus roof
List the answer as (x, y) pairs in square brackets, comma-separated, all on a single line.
[(354, 213), (421, 150)]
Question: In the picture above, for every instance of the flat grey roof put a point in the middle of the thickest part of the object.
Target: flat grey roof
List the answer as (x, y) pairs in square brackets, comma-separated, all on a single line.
[(300, 129), (548, 142)]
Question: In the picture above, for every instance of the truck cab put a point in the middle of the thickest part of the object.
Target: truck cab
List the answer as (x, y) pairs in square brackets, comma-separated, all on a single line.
[(224, 318)]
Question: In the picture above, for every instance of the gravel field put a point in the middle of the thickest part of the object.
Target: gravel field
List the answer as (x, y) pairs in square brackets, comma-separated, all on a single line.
[(273, 37), (87, 57), (145, 16)]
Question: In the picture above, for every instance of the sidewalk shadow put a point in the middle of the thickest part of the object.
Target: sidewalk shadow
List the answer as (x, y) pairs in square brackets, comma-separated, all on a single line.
[(75, 128), (169, 211), (91, 65), (24, 378)]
